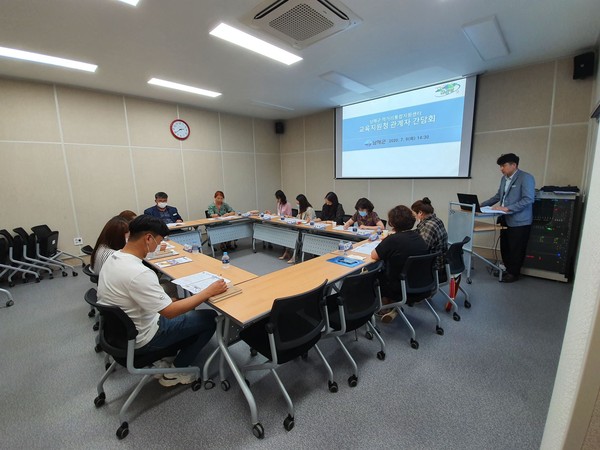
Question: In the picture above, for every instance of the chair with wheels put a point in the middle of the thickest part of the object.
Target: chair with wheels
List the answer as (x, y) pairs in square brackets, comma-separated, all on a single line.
[(13, 252), (47, 249), (87, 270), (455, 266), (384, 222), (354, 306), (293, 327), (10, 300), (29, 240), (117, 339), (418, 281), (7, 269), (346, 218), (87, 250)]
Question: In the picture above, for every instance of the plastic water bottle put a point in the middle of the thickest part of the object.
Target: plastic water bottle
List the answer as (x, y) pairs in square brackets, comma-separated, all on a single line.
[(355, 227), (379, 231), (225, 260)]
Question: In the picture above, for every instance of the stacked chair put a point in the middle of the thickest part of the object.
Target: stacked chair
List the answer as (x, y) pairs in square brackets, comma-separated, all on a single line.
[(15, 260), (47, 249)]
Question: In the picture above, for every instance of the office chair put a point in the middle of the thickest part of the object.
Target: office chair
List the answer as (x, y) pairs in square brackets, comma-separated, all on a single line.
[(10, 300), (87, 249), (117, 339), (293, 327), (11, 254), (318, 213), (346, 218), (455, 266), (28, 253), (418, 282), (384, 222), (87, 270), (47, 248), (352, 307), (294, 212)]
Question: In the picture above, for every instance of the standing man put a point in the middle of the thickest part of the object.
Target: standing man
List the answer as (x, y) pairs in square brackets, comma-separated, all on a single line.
[(515, 196), (168, 214), (161, 322)]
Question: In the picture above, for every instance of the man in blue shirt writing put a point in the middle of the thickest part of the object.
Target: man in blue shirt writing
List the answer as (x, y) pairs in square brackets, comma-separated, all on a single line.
[(515, 197), (168, 214)]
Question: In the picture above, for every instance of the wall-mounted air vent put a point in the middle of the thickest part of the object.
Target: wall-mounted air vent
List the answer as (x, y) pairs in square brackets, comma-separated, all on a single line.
[(301, 23)]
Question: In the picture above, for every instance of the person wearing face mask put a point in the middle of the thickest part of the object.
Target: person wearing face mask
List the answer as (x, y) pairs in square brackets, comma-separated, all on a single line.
[(168, 214), (161, 323), (515, 197), (365, 217), (113, 237), (433, 232), (305, 209), (332, 209)]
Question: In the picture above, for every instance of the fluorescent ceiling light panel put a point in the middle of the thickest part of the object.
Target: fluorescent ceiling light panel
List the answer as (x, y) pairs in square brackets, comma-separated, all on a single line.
[(130, 2), (271, 105), (254, 44), (45, 59), (183, 87), (487, 38), (346, 83)]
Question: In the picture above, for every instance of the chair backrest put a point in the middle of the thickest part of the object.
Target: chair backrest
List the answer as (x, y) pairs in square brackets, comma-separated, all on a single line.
[(48, 242), (318, 213), (294, 212), (3, 251), (419, 274), (206, 214), (18, 248), (454, 256), (384, 222), (359, 293), (116, 328), (41, 231), (29, 239), (297, 321), (87, 270), (346, 217), (87, 249), (8, 237)]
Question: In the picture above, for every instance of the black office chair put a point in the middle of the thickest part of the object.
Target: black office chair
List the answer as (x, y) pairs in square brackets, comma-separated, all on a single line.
[(28, 240), (352, 307), (318, 214), (14, 252), (206, 214), (87, 249), (455, 266), (117, 339), (346, 218), (417, 281), (47, 249), (384, 222), (87, 270), (291, 330), (294, 212)]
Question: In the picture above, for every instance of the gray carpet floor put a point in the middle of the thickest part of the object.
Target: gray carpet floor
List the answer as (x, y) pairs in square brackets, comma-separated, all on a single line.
[(485, 384)]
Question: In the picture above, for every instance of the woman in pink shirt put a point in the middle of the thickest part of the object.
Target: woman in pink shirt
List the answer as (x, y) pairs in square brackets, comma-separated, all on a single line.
[(284, 208)]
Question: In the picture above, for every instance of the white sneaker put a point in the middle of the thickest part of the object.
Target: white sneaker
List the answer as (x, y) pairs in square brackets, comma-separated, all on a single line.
[(161, 364), (172, 379)]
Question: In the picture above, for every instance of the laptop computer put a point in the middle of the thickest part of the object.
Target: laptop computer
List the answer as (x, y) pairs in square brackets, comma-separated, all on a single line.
[(469, 199)]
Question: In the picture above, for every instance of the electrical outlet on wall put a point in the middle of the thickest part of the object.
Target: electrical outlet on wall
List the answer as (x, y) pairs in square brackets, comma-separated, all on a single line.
[(78, 241)]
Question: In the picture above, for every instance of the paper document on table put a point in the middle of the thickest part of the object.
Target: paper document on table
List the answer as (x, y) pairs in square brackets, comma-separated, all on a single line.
[(489, 210), (176, 225), (339, 228), (198, 282), (172, 262), (367, 248)]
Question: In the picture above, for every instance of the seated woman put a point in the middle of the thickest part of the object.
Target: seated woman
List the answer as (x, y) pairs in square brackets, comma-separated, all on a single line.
[(366, 218), (113, 237), (283, 208), (128, 215), (305, 209), (433, 232), (404, 242), (332, 209), (221, 209)]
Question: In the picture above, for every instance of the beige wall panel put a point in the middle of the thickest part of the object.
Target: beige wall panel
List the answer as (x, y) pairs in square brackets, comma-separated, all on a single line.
[(572, 102), (319, 176), (236, 133), (567, 153), (268, 179), (515, 99), (385, 194), (159, 170), (292, 175), (89, 117), (349, 191), (102, 186), (204, 129), (292, 140), (149, 123), (265, 139), (530, 145), (240, 181), (204, 176), (440, 192), (319, 130), (43, 195), (27, 112)]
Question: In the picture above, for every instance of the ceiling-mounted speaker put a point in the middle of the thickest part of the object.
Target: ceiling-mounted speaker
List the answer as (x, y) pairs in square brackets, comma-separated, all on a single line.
[(583, 66), (279, 128), (301, 23)]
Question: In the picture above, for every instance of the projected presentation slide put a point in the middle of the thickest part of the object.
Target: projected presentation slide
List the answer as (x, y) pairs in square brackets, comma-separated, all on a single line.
[(413, 134)]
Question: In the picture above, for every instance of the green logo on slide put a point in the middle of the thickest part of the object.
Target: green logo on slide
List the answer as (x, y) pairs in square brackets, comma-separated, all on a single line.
[(447, 89)]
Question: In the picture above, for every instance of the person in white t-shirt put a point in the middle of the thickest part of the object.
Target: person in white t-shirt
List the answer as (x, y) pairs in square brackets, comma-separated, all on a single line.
[(161, 322)]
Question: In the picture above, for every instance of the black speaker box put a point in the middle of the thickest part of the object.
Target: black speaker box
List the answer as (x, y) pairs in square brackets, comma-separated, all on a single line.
[(583, 66), (279, 128)]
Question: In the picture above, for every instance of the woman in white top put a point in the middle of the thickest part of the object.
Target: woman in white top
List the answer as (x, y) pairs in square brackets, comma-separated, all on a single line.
[(112, 238), (305, 209)]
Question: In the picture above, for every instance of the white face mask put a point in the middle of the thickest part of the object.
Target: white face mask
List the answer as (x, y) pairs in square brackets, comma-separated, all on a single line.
[(155, 250), (162, 205)]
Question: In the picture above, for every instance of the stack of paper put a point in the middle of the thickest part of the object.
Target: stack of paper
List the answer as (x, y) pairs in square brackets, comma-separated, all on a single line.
[(199, 281)]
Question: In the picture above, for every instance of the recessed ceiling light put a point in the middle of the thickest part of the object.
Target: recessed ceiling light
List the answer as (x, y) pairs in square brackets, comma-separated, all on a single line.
[(130, 2), (271, 105), (45, 59), (254, 44), (346, 82), (183, 87)]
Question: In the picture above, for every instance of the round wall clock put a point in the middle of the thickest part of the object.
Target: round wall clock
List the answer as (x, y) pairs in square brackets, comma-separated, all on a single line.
[(180, 129)]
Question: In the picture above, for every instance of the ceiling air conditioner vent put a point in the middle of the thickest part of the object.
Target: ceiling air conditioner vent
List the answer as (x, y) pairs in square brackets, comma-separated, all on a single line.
[(301, 23)]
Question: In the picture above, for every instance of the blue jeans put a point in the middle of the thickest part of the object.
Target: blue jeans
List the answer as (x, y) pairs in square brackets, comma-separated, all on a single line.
[(199, 323)]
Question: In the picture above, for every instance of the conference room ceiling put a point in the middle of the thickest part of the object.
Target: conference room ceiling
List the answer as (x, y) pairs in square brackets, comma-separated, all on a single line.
[(398, 45)]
